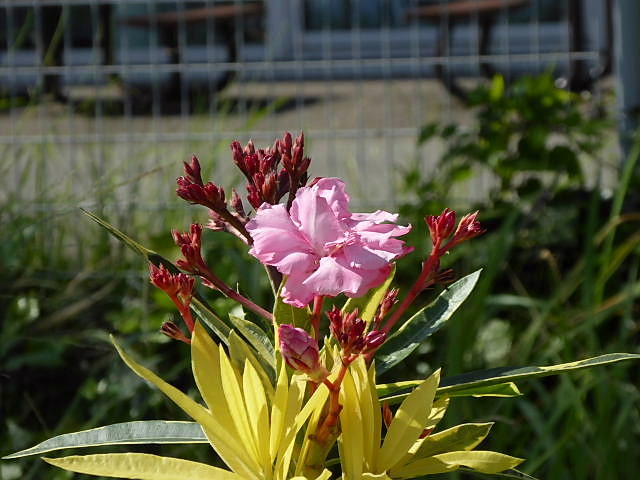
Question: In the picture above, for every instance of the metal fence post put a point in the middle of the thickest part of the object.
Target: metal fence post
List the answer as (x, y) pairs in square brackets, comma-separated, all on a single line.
[(627, 30)]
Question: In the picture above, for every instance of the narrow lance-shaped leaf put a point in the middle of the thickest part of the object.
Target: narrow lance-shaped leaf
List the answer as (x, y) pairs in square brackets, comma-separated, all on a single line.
[(229, 448), (259, 341), (199, 305), (408, 423), (508, 389), (500, 375), (424, 323), (511, 473), (141, 466), (127, 433), (479, 380)]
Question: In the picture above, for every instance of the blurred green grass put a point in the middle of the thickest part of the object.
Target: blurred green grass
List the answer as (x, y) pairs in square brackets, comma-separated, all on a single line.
[(560, 282)]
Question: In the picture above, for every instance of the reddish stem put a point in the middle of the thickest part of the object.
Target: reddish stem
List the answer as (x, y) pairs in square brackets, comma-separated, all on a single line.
[(424, 280), (331, 420), (231, 293), (185, 311), (318, 301)]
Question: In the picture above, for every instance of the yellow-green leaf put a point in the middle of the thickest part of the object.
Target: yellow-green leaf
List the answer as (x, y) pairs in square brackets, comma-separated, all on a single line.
[(278, 412), (258, 411), (352, 425), (438, 410), (239, 352), (461, 437), (369, 409), (205, 362), (141, 466), (479, 460), (234, 399), (231, 452), (408, 423)]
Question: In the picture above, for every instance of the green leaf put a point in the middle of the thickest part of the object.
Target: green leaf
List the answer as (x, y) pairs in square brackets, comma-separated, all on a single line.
[(480, 460), (508, 389), (240, 352), (368, 304), (408, 423), (504, 374), (128, 433), (424, 323), (283, 313), (427, 132), (466, 436), (512, 473), (142, 466), (497, 88), (198, 304), (259, 341)]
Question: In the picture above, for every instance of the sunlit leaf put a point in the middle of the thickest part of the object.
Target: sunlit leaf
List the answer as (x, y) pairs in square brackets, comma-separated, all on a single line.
[(352, 425), (230, 450), (127, 433), (424, 323), (508, 389), (408, 423), (141, 466), (480, 460), (240, 352), (461, 437), (198, 304), (504, 374)]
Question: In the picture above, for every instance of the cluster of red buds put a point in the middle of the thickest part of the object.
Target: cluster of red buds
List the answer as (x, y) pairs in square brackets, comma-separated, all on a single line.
[(442, 226), (300, 351), (192, 189), (190, 244), (267, 182), (179, 287), (444, 236), (350, 332)]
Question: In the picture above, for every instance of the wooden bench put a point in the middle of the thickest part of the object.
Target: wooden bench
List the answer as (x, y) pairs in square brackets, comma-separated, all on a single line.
[(169, 23)]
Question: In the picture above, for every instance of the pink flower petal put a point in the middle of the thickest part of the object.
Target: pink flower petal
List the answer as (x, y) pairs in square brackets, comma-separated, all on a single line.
[(278, 242), (359, 256), (331, 278), (315, 219), (334, 191), (295, 292)]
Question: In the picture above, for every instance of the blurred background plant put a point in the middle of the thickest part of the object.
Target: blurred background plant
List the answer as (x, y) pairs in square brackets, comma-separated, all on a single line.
[(560, 281), (560, 271)]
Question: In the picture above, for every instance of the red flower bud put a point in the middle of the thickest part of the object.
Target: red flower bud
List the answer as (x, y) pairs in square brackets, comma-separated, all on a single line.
[(171, 330), (374, 339), (300, 351), (468, 228), (441, 226), (192, 170)]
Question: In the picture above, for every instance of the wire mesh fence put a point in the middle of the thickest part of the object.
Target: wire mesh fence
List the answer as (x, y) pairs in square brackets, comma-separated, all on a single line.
[(101, 100)]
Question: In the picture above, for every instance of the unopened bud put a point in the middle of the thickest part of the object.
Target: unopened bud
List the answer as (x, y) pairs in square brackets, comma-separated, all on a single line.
[(441, 226), (374, 339), (171, 330), (300, 351), (469, 227), (192, 170)]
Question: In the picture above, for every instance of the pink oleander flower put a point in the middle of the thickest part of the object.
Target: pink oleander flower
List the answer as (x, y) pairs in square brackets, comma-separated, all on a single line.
[(300, 351), (322, 247)]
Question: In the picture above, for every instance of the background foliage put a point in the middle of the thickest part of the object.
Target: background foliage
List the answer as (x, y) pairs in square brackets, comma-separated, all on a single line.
[(560, 282)]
